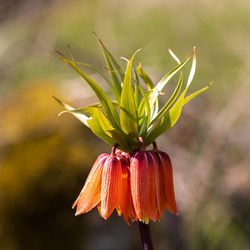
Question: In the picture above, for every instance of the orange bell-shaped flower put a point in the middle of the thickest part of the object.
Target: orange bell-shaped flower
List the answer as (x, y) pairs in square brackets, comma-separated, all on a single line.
[(167, 195), (152, 185), (108, 188), (90, 195)]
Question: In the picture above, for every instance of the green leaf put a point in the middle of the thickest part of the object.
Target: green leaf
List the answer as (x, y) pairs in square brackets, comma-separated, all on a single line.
[(97, 71), (128, 109), (143, 127), (82, 117), (110, 61), (150, 85), (108, 107), (96, 127), (171, 116), (81, 111), (93, 122), (158, 88), (168, 121), (137, 91), (174, 56), (170, 101), (144, 106), (119, 137), (175, 94), (191, 96), (105, 123), (192, 71), (144, 76), (101, 126), (155, 109)]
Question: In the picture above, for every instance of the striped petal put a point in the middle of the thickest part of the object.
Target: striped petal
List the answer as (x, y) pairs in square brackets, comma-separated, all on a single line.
[(153, 186), (161, 197), (168, 182), (90, 195), (125, 199), (138, 175), (111, 179)]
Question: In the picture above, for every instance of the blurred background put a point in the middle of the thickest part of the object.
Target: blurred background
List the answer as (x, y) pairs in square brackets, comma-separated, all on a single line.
[(44, 159)]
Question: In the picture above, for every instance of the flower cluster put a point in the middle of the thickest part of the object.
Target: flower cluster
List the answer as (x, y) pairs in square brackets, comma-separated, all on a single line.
[(135, 182), (139, 186)]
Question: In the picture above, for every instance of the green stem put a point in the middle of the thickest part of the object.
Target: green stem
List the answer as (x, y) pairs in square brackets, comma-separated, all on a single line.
[(145, 236)]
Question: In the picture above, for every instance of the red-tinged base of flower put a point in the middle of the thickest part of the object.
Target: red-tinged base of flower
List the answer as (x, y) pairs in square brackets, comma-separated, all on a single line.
[(139, 187)]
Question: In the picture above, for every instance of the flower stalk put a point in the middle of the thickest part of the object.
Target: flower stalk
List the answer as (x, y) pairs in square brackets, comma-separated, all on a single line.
[(145, 234)]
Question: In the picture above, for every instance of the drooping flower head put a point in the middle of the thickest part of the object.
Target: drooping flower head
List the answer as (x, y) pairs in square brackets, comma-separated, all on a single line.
[(152, 184), (135, 182), (107, 187), (139, 187)]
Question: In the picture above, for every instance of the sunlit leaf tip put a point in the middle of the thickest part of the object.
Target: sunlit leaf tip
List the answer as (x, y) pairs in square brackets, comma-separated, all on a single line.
[(125, 59), (174, 56)]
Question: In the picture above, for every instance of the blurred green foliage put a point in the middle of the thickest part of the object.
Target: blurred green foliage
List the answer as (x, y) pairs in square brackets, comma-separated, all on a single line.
[(45, 159)]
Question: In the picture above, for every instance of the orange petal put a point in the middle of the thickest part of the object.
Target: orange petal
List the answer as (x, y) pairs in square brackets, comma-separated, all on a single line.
[(90, 195), (99, 208), (111, 179), (125, 199), (153, 186), (168, 181), (161, 197), (138, 175)]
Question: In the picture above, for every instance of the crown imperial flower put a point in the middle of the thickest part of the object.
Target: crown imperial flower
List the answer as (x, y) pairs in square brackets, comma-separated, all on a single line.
[(137, 183)]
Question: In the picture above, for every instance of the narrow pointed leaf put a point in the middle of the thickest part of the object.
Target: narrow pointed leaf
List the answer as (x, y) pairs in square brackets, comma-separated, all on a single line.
[(86, 110), (158, 88), (155, 109), (99, 124), (143, 127), (144, 106), (91, 122), (170, 101), (137, 92), (192, 71), (116, 82), (144, 76), (108, 107), (114, 62), (80, 116), (116, 134), (191, 96), (150, 85), (128, 109), (167, 121), (172, 116), (174, 56), (96, 128), (97, 71)]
